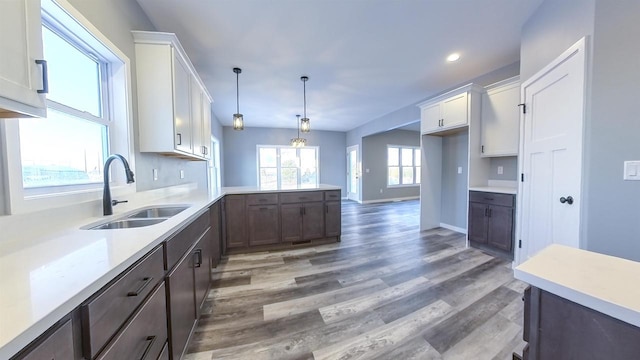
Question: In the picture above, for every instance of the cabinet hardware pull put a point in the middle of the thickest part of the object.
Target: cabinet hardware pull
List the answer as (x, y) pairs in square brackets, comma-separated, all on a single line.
[(151, 340), (45, 77), (137, 292), (179, 139), (482, 149), (326, 208), (486, 212), (198, 253), (488, 198)]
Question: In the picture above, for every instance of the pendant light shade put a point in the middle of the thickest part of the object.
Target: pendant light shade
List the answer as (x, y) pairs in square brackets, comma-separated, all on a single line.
[(298, 141), (305, 125), (238, 121)]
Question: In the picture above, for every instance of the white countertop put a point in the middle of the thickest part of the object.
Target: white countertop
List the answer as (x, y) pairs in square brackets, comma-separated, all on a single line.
[(604, 283), (44, 277), (495, 189)]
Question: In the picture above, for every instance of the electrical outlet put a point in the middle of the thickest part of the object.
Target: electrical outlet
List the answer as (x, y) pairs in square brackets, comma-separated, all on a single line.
[(380, 191), (181, 174), (631, 170), (500, 170), (459, 169), (155, 174)]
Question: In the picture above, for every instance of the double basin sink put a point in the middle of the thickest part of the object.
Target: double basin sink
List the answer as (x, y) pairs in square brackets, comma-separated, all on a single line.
[(140, 218)]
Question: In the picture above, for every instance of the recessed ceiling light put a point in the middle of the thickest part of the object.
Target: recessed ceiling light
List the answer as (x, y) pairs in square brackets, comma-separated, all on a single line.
[(453, 57)]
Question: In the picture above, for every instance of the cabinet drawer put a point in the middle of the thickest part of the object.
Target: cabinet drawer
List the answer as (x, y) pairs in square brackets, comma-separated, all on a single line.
[(262, 199), (332, 195), (144, 337), (103, 315), (304, 196), (178, 245), (491, 198), (58, 346)]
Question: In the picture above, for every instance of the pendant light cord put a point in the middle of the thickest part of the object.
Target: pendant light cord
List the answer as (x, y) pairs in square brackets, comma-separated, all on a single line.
[(304, 90), (237, 94)]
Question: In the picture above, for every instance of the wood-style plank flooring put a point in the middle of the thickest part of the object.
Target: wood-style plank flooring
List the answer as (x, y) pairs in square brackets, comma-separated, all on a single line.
[(387, 291)]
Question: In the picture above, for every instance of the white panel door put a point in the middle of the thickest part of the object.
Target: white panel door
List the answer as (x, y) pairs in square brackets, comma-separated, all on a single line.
[(353, 177), (552, 154)]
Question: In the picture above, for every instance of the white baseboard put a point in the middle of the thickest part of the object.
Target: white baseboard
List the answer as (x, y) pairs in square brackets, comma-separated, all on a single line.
[(454, 228), (390, 200)]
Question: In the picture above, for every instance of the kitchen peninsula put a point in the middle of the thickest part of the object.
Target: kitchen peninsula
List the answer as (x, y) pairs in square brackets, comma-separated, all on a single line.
[(60, 280)]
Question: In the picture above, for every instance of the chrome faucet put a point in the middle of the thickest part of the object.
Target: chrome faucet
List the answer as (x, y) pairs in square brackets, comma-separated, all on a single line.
[(107, 203)]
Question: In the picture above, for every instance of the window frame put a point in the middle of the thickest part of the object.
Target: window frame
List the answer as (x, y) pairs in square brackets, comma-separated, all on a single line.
[(116, 111), (279, 168), (416, 169)]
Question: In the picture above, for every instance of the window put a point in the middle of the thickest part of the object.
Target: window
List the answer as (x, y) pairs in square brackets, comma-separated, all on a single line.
[(285, 167), (403, 165), (69, 146), (58, 160)]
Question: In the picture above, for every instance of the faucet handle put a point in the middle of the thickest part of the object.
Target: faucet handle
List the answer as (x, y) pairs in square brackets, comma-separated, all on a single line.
[(116, 202)]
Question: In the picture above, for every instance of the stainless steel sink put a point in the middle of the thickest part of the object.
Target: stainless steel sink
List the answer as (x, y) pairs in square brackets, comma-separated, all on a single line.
[(127, 224), (157, 212), (140, 218)]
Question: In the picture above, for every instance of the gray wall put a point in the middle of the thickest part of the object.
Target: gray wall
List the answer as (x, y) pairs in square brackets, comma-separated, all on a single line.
[(374, 155), (240, 153), (115, 19), (509, 167), (611, 213), (455, 152)]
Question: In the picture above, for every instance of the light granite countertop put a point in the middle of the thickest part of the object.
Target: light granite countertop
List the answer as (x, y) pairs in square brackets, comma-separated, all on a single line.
[(47, 275), (603, 283)]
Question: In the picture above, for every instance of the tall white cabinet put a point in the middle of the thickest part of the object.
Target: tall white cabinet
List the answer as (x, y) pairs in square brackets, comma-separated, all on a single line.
[(22, 70), (174, 106), (500, 119)]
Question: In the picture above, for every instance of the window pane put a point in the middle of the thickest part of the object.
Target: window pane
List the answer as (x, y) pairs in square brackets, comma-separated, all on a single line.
[(307, 158), (308, 169), (392, 156), (407, 157), (268, 178), (394, 175), (418, 157), (417, 174), (61, 150), (289, 178), (407, 175), (268, 157), (288, 157), (74, 77)]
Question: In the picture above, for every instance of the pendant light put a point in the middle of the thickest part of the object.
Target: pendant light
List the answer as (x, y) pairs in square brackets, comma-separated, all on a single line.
[(238, 121), (305, 125), (298, 141)]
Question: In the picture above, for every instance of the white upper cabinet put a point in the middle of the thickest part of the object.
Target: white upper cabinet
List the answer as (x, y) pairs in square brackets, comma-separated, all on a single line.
[(171, 98), (22, 70), (499, 131), (449, 111)]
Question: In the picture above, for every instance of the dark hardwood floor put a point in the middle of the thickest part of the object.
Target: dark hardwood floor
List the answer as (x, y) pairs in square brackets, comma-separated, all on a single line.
[(387, 291)]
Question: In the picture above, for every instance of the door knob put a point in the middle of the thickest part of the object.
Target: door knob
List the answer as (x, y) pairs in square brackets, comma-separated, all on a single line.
[(568, 200)]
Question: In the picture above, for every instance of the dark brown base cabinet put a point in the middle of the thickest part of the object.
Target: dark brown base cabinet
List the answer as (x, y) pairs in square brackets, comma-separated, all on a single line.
[(278, 220), (557, 328), (491, 221)]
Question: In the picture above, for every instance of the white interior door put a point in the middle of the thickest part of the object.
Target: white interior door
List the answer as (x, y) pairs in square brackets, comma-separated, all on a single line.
[(353, 176), (552, 154)]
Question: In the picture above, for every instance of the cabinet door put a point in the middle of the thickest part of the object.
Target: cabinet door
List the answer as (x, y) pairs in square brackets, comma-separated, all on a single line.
[(430, 118), (263, 225), (202, 268), (197, 118), (181, 104), (499, 130), (181, 305), (216, 245), (21, 44), (500, 232), (332, 218), (455, 111), (206, 126), (478, 222), (235, 221), (313, 221), (291, 222), (58, 346)]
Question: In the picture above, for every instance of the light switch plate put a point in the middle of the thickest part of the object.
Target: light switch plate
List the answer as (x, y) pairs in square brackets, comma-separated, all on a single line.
[(155, 174), (500, 170), (631, 170), (459, 169), (181, 174)]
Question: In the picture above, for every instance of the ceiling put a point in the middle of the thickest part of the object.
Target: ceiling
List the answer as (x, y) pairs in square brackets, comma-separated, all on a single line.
[(364, 58)]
